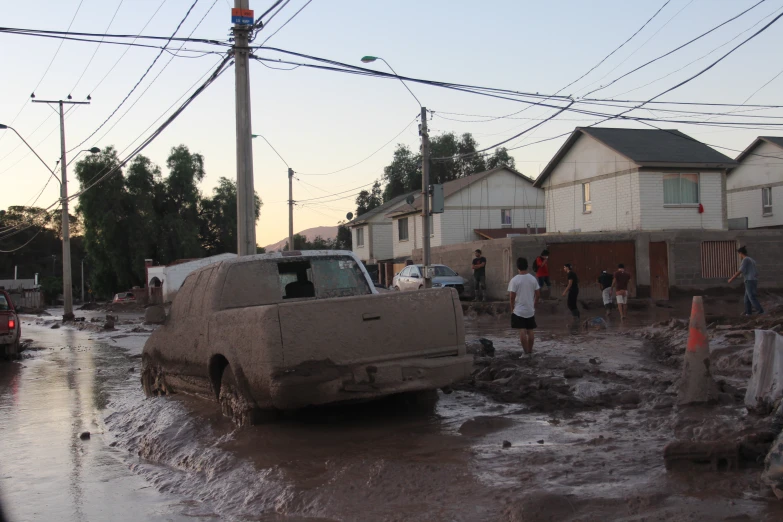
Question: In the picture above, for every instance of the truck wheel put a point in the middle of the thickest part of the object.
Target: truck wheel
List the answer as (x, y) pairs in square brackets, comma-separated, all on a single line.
[(232, 402), (153, 380), (423, 401)]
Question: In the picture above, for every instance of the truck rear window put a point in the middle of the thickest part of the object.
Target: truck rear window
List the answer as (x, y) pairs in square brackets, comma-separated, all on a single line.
[(272, 281), (3, 304)]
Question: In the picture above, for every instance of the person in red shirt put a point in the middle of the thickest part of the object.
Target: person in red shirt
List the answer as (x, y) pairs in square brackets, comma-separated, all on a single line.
[(541, 266), (620, 284)]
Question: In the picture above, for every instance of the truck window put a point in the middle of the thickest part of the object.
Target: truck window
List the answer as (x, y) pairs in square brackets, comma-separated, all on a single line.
[(250, 284), (3, 304), (296, 279), (338, 276)]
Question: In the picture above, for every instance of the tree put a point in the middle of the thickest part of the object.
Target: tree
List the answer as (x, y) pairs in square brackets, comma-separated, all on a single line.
[(368, 200), (501, 158), (343, 241), (400, 175), (218, 218)]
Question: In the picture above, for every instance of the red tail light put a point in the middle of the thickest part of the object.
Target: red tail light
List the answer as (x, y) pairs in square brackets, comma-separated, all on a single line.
[(11, 324)]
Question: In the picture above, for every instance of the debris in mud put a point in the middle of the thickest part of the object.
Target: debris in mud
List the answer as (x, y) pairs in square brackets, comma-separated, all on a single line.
[(85, 435), (482, 348), (629, 397), (89, 306), (719, 455), (573, 372), (483, 425), (596, 323), (55, 326), (506, 444), (110, 321), (155, 314)]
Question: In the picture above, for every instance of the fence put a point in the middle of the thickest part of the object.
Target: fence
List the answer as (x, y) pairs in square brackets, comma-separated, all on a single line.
[(27, 299)]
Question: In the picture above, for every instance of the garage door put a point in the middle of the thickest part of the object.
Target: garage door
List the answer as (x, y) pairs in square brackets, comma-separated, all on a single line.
[(588, 260)]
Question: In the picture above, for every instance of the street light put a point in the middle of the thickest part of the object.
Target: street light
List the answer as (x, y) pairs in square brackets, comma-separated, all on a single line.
[(370, 59), (3, 127), (425, 176), (94, 150)]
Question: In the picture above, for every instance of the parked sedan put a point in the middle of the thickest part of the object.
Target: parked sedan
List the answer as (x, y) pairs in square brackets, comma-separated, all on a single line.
[(411, 278), (124, 297)]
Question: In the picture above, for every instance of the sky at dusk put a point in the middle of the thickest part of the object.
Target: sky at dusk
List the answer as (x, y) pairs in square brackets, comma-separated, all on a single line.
[(323, 121)]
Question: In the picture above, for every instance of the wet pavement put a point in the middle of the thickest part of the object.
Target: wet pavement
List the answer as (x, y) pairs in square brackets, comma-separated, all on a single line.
[(475, 458)]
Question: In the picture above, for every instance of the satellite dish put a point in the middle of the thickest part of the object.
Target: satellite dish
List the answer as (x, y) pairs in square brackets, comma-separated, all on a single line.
[(410, 199), (349, 216)]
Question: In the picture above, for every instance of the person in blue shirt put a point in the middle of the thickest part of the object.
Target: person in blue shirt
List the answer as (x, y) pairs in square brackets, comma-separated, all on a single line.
[(750, 274)]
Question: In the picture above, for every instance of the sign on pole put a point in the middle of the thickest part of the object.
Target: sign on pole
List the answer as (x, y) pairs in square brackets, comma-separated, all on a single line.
[(242, 16)]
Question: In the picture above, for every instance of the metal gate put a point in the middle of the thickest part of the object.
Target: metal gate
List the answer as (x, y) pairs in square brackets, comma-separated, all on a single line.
[(588, 260), (659, 270)]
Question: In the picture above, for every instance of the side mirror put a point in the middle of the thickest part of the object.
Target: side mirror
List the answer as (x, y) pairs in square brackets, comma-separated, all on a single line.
[(456, 273)]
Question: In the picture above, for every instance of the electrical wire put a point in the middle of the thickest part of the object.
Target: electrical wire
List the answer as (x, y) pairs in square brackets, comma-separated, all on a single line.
[(675, 49), (286, 22), (24, 245), (46, 71), (274, 149), (97, 47), (362, 160), (190, 9)]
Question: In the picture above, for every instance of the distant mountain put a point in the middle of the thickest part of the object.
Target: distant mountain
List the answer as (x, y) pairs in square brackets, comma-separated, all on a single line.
[(310, 234)]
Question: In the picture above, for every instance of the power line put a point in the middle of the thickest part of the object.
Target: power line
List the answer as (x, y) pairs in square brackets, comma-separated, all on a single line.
[(46, 71), (140, 79), (286, 22), (97, 47), (274, 149), (362, 160), (676, 48)]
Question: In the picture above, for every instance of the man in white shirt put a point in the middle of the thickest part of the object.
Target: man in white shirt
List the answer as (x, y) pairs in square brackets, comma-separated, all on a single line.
[(524, 293)]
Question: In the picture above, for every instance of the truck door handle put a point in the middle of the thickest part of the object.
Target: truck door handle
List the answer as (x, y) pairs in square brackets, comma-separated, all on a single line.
[(370, 317)]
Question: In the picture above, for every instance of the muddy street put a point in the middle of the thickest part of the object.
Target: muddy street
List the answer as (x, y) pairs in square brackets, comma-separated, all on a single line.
[(575, 432)]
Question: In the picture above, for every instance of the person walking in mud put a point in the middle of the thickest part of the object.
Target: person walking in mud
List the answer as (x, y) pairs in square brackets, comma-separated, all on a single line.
[(479, 266), (750, 274), (605, 279), (621, 279), (572, 291), (524, 293), (541, 270)]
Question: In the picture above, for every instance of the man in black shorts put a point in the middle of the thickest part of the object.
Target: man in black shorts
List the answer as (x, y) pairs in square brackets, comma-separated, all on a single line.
[(524, 292), (479, 266)]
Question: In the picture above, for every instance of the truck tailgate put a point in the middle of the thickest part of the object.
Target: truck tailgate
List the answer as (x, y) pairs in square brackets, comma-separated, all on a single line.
[(371, 328), (4, 317)]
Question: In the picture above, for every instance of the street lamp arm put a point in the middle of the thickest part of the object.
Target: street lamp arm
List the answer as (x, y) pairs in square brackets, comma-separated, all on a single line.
[(31, 149), (368, 59)]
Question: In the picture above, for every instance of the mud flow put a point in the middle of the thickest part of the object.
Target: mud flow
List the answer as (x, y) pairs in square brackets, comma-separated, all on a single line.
[(574, 432)]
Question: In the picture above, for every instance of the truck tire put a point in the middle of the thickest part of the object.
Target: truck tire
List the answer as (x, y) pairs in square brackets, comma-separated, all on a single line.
[(233, 403), (153, 380)]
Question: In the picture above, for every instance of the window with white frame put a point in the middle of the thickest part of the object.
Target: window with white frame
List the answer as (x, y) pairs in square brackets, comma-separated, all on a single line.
[(505, 217), (587, 203), (402, 229), (360, 237), (766, 201), (680, 189)]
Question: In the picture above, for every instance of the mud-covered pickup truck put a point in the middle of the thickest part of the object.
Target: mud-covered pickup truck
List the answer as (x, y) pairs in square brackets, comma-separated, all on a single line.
[(287, 330), (10, 329)]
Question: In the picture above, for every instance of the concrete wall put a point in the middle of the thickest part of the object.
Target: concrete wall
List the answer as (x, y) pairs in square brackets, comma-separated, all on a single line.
[(657, 216), (684, 251), (744, 183)]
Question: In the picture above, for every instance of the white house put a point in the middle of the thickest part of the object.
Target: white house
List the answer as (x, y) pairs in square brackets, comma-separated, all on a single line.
[(755, 185), (487, 205), (607, 179), (371, 233), (169, 278)]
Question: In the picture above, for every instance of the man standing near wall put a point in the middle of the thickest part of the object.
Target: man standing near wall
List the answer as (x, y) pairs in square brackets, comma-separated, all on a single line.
[(479, 275), (750, 273), (523, 293), (621, 279)]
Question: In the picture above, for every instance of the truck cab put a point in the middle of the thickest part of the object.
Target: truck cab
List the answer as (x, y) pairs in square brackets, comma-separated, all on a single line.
[(10, 328)]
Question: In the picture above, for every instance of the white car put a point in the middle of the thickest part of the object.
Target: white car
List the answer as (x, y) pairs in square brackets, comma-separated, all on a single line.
[(411, 278)]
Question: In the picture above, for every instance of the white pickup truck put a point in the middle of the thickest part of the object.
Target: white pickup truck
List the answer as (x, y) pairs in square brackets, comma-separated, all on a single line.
[(287, 330)]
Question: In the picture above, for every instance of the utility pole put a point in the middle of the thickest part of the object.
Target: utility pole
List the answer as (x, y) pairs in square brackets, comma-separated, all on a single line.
[(425, 197), (83, 281), (67, 281), (290, 208), (246, 205)]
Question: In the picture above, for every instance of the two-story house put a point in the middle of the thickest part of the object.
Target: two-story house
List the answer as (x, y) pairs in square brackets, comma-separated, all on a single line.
[(612, 179), (488, 205), (755, 185)]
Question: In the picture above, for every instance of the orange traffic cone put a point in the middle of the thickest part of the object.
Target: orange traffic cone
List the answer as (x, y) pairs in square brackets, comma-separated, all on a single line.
[(697, 385)]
